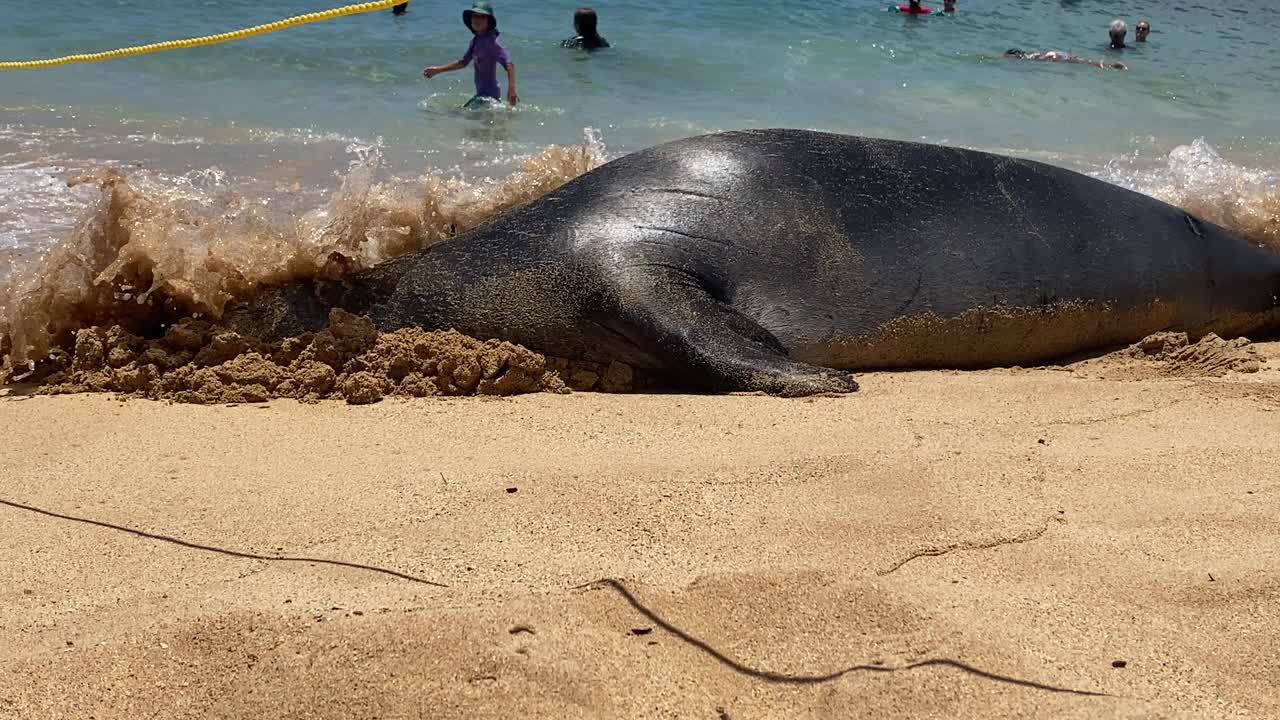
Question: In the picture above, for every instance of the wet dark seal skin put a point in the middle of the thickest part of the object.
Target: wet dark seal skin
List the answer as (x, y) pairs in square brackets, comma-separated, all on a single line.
[(778, 260)]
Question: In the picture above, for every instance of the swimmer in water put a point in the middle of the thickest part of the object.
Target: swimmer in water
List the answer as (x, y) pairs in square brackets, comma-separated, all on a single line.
[(400, 9), (1142, 30), (1117, 33), (948, 6), (588, 37), (1059, 56), (913, 7)]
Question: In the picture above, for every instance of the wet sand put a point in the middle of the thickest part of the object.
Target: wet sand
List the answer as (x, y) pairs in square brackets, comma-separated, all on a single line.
[(940, 544)]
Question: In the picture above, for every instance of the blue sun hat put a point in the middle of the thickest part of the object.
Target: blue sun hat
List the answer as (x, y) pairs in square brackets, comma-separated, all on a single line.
[(480, 7)]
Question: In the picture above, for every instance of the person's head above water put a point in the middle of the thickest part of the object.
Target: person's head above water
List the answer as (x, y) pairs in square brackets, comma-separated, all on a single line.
[(585, 21), (480, 17), (587, 36), (948, 5), (400, 9), (915, 4), (1117, 32), (1141, 31)]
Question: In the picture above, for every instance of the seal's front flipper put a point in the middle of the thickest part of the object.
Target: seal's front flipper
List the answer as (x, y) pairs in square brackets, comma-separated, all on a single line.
[(710, 344)]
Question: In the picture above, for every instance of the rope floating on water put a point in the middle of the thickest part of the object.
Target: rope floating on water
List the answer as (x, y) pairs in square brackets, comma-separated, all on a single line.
[(206, 40)]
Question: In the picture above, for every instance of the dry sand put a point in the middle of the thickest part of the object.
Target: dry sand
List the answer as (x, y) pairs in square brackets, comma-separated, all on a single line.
[(939, 545)]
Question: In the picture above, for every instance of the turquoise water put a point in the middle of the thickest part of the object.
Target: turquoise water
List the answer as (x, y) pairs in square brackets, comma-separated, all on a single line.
[(287, 107)]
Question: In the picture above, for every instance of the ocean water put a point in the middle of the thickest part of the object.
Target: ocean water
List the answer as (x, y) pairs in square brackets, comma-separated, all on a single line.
[(233, 158)]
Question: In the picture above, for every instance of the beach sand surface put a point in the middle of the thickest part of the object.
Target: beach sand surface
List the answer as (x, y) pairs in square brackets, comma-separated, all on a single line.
[(1084, 542)]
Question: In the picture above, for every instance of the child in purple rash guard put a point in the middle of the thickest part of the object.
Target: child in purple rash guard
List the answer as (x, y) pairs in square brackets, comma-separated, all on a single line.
[(487, 53)]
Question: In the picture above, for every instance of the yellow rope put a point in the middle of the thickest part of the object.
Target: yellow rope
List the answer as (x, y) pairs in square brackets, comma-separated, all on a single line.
[(206, 40)]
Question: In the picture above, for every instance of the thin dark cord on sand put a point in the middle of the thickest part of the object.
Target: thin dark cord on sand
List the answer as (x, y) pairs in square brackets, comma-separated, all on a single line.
[(221, 551), (769, 676)]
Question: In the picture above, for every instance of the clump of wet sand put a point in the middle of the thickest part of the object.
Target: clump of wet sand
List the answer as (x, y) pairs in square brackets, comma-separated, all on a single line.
[(196, 361), (1172, 354)]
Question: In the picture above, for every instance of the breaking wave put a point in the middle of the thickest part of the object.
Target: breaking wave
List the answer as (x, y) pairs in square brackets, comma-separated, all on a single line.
[(148, 251)]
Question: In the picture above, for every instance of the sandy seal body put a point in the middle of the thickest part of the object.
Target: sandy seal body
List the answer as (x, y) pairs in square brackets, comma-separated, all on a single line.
[(779, 260)]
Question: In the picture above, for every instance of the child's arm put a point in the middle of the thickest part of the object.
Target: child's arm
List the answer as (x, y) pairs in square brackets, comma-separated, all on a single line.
[(512, 97), (455, 65), (437, 69)]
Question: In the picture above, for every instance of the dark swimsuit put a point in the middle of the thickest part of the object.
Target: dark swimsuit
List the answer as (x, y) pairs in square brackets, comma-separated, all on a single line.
[(584, 43)]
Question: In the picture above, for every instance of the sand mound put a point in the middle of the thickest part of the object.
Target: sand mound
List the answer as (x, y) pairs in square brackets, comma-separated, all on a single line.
[(1172, 354), (198, 362)]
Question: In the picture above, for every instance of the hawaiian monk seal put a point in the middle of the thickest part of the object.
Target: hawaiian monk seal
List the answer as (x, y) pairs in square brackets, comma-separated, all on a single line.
[(778, 260)]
